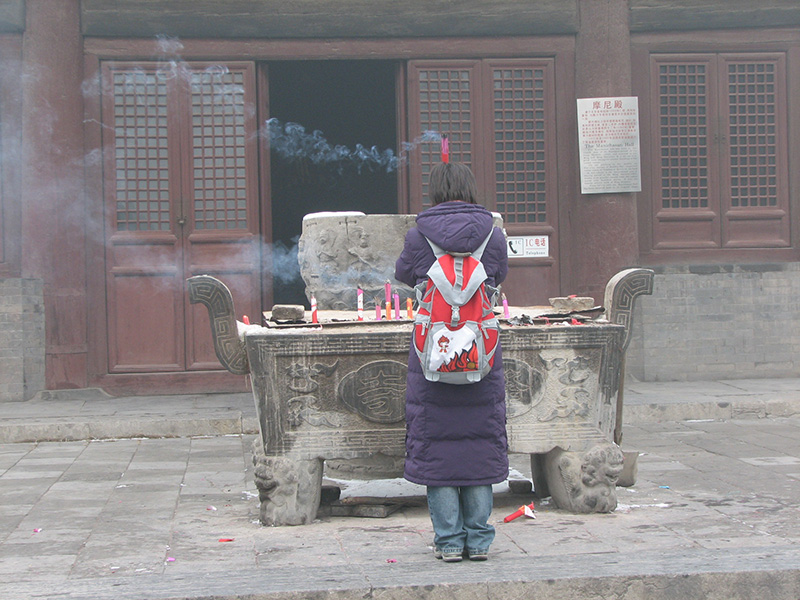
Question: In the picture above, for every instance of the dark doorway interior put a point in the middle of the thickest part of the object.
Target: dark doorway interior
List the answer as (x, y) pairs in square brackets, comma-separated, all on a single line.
[(349, 103)]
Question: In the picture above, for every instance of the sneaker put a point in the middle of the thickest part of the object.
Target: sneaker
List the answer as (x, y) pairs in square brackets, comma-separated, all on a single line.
[(481, 555), (448, 555)]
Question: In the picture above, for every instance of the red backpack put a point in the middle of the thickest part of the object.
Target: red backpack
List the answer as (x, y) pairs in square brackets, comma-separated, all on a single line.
[(455, 330)]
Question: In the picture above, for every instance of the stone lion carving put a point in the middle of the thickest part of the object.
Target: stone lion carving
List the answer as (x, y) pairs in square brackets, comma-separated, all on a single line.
[(288, 490), (585, 482)]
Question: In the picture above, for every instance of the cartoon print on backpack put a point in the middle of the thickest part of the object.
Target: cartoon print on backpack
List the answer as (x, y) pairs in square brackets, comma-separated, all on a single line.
[(455, 330)]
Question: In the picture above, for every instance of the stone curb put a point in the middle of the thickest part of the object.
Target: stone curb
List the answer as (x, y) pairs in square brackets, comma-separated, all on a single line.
[(732, 574), (637, 414), (119, 428)]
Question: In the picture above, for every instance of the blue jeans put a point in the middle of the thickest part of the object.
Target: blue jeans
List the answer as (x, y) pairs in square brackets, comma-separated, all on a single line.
[(460, 517)]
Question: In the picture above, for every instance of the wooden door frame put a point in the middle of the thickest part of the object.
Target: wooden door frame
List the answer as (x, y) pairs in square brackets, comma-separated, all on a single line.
[(10, 184), (562, 48)]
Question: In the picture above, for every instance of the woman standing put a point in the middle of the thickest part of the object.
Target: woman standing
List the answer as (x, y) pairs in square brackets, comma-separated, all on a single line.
[(455, 434)]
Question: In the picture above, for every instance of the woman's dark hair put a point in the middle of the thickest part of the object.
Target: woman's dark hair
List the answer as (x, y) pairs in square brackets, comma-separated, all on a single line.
[(452, 181)]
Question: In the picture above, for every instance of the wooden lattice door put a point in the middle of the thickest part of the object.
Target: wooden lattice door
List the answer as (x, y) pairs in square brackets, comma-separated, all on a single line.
[(500, 117), (181, 199)]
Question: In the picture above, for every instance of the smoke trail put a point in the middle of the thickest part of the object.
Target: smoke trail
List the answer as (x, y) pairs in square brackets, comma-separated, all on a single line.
[(284, 266), (292, 142)]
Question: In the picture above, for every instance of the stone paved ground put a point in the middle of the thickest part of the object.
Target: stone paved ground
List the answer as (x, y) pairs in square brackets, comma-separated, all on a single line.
[(713, 515)]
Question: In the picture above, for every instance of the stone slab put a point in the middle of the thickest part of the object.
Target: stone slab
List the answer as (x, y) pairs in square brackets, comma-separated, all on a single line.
[(712, 516)]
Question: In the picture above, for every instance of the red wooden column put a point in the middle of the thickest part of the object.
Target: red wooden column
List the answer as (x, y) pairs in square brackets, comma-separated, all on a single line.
[(53, 208), (603, 234)]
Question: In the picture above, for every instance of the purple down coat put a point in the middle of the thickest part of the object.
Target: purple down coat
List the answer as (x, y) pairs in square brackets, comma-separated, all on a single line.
[(455, 434)]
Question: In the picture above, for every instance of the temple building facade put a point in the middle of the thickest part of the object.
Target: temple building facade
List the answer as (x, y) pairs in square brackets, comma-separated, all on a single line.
[(143, 142)]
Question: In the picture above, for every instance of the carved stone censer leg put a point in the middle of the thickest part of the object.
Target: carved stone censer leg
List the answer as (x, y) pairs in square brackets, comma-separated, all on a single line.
[(585, 482), (288, 489)]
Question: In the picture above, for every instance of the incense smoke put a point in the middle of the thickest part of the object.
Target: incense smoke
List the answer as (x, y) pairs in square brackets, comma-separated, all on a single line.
[(291, 141), (285, 268)]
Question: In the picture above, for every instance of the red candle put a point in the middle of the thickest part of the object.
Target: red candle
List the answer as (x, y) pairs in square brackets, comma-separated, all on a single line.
[(377, 309), (246, 320), (522, 510), (445, 149), (314, 318)]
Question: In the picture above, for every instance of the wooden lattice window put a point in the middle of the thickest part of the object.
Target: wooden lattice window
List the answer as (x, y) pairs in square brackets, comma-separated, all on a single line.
[(683, 127), (141, 151), (720, 136), (499, 115), (218, 145), (445, 101), (520, 143), (752, 103)]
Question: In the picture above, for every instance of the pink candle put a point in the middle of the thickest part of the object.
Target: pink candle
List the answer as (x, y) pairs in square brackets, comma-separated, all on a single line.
[(506, 312), (360, 304), (377, 309), (388, 289), (397, 306)]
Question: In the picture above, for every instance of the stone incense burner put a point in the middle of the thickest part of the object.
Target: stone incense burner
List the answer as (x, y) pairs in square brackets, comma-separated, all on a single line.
[(337, 391)]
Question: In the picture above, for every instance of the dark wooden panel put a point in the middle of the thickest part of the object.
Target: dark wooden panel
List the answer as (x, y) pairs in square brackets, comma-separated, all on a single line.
[(144, 335), (320, 18), (684, 15), (12, 16)]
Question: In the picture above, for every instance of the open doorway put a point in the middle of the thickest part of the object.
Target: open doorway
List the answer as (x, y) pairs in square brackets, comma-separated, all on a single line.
[(341, 105)]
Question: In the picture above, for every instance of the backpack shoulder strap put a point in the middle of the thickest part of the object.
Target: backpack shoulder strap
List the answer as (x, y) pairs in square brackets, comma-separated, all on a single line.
[(437, 250), (477, 254)]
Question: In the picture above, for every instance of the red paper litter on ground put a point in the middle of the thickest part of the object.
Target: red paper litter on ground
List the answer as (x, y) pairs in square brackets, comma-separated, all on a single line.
[(226, 539)]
